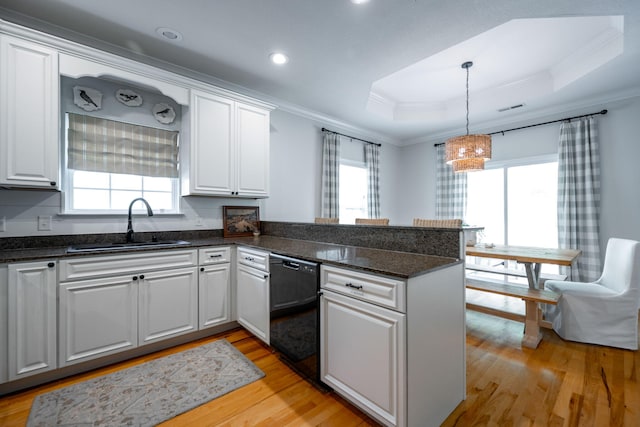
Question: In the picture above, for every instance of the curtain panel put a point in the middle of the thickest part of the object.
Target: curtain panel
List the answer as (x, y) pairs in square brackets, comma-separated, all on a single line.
[(101, 145), (372, 161), (451, 189), (330, 175), (579, 195)]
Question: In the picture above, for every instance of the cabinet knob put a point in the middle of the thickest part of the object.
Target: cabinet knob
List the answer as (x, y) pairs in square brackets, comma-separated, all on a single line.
[(51, 264), (53, 183), (141, 276), (134, 278), (201, 268)]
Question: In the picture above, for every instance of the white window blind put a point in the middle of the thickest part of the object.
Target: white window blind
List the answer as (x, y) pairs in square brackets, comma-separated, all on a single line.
[(101, 145)]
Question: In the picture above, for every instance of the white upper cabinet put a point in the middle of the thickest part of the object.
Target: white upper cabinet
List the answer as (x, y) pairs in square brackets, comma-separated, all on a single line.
[(228, 153), (29, 99)]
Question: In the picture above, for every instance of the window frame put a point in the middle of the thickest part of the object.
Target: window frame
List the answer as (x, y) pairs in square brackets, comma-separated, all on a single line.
[(505, 164), (360, 165), (67, 189)]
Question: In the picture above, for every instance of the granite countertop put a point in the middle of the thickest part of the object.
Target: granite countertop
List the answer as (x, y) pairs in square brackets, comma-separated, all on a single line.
[(379, 261)]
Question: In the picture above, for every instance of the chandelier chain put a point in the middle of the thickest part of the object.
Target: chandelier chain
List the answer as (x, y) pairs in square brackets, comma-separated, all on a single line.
[(467, 68)]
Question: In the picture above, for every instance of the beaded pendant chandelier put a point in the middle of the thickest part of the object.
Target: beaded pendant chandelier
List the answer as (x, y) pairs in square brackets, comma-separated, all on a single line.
[(468, 153)]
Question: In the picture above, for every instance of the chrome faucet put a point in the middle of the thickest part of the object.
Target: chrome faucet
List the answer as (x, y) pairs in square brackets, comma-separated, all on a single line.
[(129, 224)]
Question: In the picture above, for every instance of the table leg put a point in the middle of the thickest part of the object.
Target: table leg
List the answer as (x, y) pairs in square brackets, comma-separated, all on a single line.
[(532, 334), (533, 273)]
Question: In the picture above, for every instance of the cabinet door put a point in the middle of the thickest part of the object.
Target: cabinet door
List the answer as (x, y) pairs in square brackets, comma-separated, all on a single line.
[(32, 322), (4, 343), (212, 156), (363, 355), (253, 301), (252, 146), (28, 114), (214, 292), (98, 317), (168, 304)]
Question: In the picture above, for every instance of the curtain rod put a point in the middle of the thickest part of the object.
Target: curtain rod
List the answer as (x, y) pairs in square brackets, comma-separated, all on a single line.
[(540, 124), (350, 137)]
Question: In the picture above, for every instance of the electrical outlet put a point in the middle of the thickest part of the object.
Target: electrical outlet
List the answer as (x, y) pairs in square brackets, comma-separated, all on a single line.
[(44, 223), (3, 224)]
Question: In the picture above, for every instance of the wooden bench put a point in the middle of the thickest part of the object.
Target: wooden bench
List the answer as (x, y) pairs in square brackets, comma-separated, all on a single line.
[(511, 272), (532, 297)]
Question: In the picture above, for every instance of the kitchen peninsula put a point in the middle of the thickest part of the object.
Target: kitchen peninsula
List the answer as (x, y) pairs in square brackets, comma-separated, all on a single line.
[(425, 365)]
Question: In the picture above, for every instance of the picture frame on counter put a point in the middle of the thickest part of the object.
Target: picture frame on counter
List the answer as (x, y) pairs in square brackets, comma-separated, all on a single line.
[(240, 220)]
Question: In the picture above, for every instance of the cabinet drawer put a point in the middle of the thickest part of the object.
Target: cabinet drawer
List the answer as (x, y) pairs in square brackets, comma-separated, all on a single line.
[(254, 258), (379, 290), (84, 268), (214, 256)]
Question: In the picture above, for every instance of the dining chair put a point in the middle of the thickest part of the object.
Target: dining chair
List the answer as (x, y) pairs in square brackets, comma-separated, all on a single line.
[(440, 223), (320, 220), (373, 221), (603, 312)]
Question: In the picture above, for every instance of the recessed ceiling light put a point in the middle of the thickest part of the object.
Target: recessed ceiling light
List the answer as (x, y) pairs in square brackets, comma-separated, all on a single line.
[(279, 58), (169, 34), (359, 1)]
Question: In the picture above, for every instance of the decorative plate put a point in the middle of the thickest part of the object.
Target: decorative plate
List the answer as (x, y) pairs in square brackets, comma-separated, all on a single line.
[(86, 98), (129, 97), (163, 113)]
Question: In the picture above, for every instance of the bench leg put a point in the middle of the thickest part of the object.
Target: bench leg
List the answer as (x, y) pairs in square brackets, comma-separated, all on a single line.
[(532, 334)]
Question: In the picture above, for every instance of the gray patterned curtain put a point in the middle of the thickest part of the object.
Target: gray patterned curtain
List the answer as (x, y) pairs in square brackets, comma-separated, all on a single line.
[(101, 145), (330, 175), (372, 160), (451, 189), (579, 195)]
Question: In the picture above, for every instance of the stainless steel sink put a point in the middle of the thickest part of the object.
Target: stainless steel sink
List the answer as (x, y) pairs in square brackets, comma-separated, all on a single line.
[(91, 247)]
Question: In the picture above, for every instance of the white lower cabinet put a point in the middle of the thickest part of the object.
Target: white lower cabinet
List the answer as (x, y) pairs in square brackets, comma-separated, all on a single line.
[(97, 317), (394, 348), (214, 286), (252, 288), (363, 354), (168, 304), (31, 323), (117, 302)]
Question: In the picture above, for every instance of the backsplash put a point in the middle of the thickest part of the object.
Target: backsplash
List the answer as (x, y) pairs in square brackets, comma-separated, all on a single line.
[(421, 240)]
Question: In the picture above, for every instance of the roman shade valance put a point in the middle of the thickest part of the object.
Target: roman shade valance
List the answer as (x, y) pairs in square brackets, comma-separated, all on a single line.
[(101, 145)]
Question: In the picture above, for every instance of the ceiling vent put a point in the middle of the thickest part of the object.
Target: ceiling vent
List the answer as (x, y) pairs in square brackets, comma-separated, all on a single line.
[(513, 107)]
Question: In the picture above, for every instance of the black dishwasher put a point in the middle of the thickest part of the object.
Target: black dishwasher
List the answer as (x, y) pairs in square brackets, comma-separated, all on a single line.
[(294, 313)]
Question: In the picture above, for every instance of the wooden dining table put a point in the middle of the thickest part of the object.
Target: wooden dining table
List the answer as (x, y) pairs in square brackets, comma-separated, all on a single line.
[(532, 259)]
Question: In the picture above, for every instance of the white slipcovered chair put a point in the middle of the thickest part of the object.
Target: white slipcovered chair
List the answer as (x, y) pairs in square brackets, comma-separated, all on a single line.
[(603, 312)]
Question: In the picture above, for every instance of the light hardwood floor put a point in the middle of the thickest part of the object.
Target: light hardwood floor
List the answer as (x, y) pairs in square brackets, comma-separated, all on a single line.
[(558, 384)]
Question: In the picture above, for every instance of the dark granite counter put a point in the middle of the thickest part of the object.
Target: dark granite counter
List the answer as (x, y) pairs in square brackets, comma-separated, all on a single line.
[(379, 261)]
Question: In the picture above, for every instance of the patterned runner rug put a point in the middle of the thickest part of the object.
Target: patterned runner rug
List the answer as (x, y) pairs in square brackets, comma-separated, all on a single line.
[(147, 394)]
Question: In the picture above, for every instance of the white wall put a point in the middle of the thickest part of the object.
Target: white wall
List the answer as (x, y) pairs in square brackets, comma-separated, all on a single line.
[(296, 162)]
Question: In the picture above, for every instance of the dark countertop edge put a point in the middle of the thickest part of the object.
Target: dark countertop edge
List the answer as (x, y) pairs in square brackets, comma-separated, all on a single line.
[(60, 252)]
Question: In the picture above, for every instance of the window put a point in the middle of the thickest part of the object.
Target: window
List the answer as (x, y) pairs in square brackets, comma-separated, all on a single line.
[(108, 164), (353, 192), (516, 202), (100, 192)]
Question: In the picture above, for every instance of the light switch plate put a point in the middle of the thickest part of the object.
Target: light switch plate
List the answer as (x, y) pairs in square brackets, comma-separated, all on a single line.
[(44, 223)]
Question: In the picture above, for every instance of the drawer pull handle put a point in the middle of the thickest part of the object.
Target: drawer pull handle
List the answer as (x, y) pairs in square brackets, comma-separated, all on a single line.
[(351, 285), (248, 258), (215, 256)]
